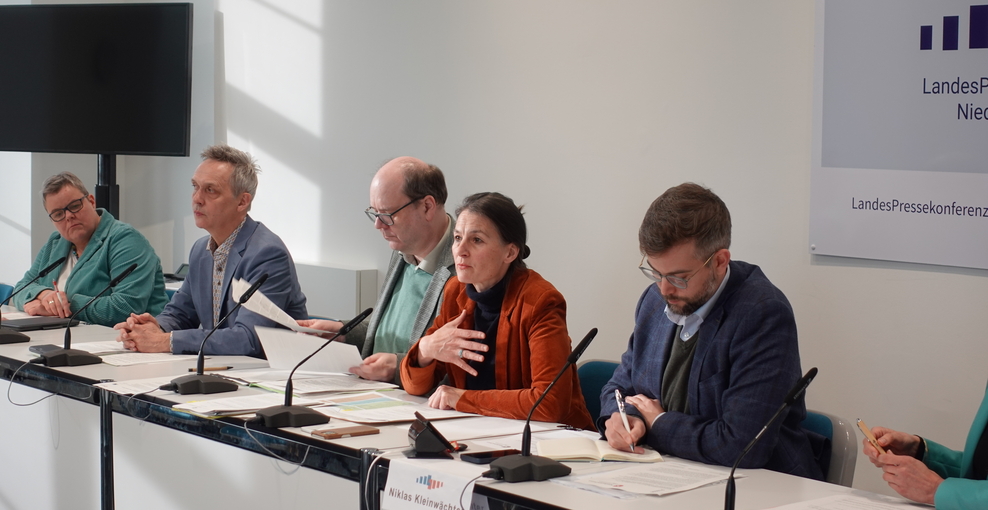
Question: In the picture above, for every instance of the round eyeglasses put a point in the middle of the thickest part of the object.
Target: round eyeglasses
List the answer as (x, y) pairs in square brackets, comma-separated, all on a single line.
[(59, 214), (387, 218), (675, 281)]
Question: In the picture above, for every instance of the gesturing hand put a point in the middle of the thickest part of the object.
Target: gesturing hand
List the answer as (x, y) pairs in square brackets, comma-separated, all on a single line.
[(453, 345)]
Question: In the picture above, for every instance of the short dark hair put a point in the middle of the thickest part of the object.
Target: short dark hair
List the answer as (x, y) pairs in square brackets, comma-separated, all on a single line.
[(55, 183), (684, 213), (422, 181), (506, 217)]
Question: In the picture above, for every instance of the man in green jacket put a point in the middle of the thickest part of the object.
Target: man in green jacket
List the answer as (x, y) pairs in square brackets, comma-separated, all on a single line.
[(96, 248)]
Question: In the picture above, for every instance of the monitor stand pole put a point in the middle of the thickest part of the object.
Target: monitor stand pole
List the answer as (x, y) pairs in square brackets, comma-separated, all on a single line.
[(107, 190)]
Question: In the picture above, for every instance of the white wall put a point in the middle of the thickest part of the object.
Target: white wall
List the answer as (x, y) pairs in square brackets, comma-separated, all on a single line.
[(584, 111), (15, 215), (15, 210)]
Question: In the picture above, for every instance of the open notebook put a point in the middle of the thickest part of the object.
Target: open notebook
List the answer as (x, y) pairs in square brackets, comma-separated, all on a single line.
[(586, 449)]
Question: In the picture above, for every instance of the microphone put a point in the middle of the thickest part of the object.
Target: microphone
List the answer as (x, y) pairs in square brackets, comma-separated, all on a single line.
[(791, 397), (300, 416), (525, 467), (199, 382), (10, 336), (69, 357)]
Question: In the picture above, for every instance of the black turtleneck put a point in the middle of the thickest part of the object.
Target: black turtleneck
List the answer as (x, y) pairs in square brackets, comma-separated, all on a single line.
[(485, 318)]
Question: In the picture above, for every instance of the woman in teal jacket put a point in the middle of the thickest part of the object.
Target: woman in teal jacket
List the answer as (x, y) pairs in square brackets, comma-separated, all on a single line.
[(96, 248), (930, 473)]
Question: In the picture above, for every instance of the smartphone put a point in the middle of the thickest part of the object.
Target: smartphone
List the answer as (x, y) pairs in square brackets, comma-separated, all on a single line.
[(339, 433), (43, 348), (869, 436), (487, 457)]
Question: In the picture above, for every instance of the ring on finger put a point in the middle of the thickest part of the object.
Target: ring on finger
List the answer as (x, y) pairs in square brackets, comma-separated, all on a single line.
[(460, 354), (51, 301)]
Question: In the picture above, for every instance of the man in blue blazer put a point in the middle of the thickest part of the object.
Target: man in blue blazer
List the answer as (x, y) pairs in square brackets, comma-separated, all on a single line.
[(714, 349), (223, 187), (928, 472)]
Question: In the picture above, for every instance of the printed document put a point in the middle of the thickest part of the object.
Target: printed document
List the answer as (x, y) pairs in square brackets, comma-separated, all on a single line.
[(854, 502), (326, 384), (231, 406), (380, 408), (262, 305), (285, 349), (660, 478)]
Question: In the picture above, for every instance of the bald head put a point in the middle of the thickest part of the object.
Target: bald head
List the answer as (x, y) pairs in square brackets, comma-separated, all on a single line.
[(414, 177), (415, 192)]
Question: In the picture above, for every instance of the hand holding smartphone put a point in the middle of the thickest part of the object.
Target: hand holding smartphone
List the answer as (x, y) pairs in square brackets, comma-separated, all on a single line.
[(869, 436)]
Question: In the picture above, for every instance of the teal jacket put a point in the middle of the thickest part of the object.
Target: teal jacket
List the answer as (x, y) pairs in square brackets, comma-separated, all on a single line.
[(115, 245), (958, 491)]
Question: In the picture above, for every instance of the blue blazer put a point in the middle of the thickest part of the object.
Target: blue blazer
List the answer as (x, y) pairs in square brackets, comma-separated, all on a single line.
[(255, 251), (746, 360), (958, 491)]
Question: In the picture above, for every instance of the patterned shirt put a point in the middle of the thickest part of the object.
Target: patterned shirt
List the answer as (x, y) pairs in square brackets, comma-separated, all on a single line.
[(220, 254)]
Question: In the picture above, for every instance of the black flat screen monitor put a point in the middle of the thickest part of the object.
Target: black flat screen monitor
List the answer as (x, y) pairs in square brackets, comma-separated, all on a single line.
[(96, 79)]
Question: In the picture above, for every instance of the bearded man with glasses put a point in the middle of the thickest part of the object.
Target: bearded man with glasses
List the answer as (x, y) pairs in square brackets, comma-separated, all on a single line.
[(407, 205), (714, 350), (96, 247)]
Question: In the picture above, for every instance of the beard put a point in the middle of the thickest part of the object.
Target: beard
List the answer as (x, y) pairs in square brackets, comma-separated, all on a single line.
[(693, 304)]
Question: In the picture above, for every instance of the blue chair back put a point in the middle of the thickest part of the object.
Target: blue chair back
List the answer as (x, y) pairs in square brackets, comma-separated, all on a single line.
[(593, 375), (837, 464), (5, 292)]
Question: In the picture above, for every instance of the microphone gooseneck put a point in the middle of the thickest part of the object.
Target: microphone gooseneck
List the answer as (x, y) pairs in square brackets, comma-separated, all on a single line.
[(199, 382), (67, 340), (9, 335), (69, 357), (526, 435), (289, 415), (41, 273), (289, 387), (791, 397), (201, 358), (525, 466)]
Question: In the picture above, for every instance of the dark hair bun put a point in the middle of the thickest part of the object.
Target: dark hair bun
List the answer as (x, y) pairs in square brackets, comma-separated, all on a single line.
[(525, 252)]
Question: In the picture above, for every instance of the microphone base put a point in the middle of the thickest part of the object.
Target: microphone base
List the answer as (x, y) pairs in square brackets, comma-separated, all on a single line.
[(277, 417), (201, 383), (12, 336), (70, 358), (529, 468)]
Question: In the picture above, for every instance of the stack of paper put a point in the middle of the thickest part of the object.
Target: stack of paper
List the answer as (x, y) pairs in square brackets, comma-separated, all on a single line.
[(380, 408), (333, 383), (232, 406)]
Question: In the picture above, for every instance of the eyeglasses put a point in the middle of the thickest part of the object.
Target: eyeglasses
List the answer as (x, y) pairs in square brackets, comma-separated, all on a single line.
[(59, 214), (675, 281), (387, 218)]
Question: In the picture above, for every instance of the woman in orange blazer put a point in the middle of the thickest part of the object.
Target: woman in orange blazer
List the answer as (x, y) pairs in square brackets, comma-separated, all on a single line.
[(500, 335)]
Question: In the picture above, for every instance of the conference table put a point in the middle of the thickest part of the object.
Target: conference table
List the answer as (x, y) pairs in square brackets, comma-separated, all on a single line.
[(69, 444)]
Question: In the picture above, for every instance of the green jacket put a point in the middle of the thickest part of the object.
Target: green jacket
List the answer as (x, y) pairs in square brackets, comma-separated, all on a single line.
[(958, 491), (115, 245)]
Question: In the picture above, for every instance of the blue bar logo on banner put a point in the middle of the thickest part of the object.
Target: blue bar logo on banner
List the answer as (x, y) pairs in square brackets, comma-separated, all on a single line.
[(977, 31)]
